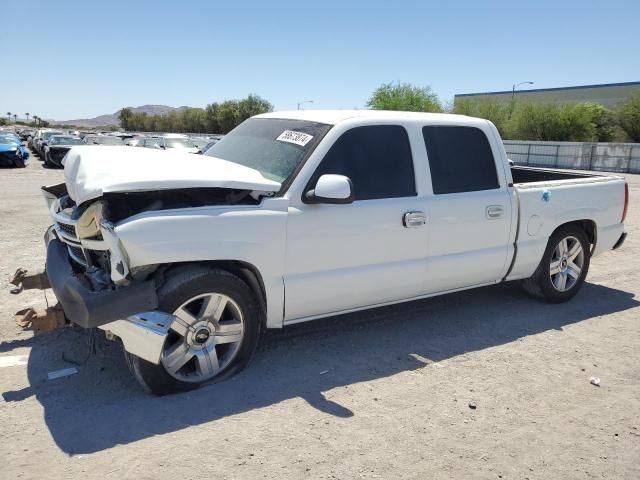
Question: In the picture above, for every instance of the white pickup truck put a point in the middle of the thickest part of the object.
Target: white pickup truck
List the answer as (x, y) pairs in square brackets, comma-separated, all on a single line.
[(295, 216)]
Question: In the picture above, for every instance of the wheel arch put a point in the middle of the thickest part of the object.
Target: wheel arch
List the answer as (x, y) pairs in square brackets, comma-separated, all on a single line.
[(248, 272), (588, 226)]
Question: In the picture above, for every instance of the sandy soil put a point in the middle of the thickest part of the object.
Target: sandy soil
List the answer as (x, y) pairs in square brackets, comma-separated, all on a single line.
[(380, 394)]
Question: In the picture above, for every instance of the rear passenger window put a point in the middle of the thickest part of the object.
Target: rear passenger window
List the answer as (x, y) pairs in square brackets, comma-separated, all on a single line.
[(376, 158), (460, 159)]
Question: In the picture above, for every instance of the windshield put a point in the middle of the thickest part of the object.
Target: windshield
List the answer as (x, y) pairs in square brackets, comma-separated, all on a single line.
[(46, 135), (275, 147), (103, 140), (65, 141), (178, 142)]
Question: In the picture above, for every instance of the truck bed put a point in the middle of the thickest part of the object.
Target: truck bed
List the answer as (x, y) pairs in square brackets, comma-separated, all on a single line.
[(547, 198), (531, 175)]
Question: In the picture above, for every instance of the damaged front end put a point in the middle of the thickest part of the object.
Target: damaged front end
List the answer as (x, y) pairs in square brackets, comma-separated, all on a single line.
[(90, 272), (87, 266)]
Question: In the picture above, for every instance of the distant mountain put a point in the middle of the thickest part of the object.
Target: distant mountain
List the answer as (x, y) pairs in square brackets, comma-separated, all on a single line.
[(112, 119)]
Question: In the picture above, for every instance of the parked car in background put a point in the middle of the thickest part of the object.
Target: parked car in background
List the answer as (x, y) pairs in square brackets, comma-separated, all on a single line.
[(134, 141), (26, 133), (200, 142), (102, 140), (12, 152), (123, 136), (207, 146), (57, 148), (44, 140), (164, 142), (31, 143)]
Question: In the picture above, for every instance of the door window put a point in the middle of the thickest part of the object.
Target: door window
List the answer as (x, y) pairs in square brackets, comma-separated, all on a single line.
[(376, 158), (460, 159)]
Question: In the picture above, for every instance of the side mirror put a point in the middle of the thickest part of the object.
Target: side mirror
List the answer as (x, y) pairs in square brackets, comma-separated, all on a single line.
[(333, 189), (511, 162)]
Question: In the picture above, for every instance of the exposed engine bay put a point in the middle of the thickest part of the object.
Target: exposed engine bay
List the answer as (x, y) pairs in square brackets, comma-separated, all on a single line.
[(87, 229)]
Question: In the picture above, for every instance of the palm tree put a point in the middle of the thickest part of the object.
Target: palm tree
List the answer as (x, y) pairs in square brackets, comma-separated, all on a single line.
[(27, 115), (15, 117), (36, 118), (9, 116)]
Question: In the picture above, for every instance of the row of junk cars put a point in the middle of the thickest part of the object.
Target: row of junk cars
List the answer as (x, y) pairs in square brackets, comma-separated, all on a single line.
[(51, 145)]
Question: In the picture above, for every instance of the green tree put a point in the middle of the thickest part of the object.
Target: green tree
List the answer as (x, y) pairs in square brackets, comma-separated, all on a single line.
[(578, 123), (404, 97), (252, 105), (215, 118), (212, 112), (603, 120), (549, 121), (125, 116), (492, 110), (228, 115), (629, 118)]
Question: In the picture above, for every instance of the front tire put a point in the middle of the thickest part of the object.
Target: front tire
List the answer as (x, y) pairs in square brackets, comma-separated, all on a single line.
[(48, 163), (215, 333), (563, 268)]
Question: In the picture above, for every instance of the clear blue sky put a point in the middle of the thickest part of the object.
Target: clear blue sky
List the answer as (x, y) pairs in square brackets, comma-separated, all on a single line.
[(68, 59)]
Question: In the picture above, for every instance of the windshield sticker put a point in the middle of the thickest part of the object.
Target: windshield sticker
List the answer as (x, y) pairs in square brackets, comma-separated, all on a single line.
[(298, 138)]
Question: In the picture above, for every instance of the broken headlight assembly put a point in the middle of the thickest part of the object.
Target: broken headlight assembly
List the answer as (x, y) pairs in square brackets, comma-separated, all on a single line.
[(88, 225)]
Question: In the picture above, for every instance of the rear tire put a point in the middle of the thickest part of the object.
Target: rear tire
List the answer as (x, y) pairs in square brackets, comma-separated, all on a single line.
[(563, 268), (216, 331)]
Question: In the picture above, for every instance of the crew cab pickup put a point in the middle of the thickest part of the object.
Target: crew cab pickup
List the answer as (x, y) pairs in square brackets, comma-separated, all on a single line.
[(295, 216)]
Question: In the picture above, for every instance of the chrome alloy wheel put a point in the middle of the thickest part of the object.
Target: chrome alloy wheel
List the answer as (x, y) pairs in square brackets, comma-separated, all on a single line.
[(567, 262), (204, 337)]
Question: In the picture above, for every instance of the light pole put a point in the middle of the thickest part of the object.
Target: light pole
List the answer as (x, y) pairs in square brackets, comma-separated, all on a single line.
[(513, 95), (304, 101)]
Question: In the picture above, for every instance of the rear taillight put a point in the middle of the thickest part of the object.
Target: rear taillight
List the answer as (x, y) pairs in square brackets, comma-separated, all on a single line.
[(626, 202)]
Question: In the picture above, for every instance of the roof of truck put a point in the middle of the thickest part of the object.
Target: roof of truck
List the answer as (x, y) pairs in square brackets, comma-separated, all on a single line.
[(333, 117)]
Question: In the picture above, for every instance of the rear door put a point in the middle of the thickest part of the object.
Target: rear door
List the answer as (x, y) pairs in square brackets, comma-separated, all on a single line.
[(470, 211), (342, 257)]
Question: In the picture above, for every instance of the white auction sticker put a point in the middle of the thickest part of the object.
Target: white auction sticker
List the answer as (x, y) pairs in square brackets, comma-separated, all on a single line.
[(298, 138)]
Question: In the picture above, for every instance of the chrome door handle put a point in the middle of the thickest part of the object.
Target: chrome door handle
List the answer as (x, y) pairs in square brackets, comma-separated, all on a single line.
[(494, 211), (414, 219)]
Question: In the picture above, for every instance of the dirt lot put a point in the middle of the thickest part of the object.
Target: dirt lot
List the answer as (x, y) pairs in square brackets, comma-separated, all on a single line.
[(381, 394)]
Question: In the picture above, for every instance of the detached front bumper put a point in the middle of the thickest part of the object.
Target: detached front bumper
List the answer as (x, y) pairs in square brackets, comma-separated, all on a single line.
[(89, 308)]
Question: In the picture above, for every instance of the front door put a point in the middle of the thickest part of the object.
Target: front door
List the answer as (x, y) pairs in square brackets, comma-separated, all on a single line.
[(342, 257)]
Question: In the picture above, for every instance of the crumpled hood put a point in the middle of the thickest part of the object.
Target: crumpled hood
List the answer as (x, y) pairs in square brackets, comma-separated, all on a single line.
[(91, 171)]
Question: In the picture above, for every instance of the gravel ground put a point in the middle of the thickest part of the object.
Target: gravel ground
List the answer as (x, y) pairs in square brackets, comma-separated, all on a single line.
[(380, 394)]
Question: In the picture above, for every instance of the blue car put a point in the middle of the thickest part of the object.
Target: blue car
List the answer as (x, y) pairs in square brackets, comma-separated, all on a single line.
[(12, 152)]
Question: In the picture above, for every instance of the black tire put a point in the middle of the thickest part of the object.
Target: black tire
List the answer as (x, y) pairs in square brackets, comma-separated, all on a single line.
[(540, 284), (19, 163), (182, 284), (48, 163)]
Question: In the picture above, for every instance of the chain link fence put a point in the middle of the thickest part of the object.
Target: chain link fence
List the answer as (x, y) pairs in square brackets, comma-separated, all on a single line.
[(604, 157)]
